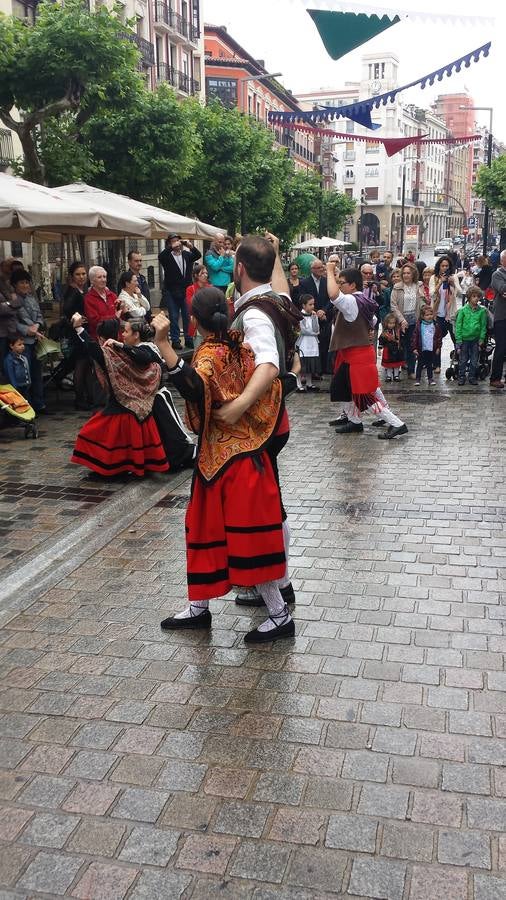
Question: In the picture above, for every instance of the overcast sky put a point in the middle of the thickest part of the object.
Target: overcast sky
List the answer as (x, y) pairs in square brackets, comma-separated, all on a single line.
[(282, 33)]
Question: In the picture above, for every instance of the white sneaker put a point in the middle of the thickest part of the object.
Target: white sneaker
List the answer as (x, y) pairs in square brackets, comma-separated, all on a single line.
[(417, 384)]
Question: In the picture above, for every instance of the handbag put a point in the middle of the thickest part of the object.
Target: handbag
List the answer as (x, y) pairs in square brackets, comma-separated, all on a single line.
[(46, 349)]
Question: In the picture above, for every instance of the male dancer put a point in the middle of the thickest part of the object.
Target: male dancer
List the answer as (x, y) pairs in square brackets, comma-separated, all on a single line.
[(355, 384), (259, 279)]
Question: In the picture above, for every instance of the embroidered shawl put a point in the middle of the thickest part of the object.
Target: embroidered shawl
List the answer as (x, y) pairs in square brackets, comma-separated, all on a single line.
[(224, 372), (133, 386)]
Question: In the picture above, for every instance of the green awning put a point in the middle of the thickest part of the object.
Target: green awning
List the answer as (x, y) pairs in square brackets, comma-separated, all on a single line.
[(342, 31)]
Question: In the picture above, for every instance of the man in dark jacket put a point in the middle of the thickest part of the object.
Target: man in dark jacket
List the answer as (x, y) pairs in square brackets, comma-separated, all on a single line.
[(316, 285), (9, 306), (498, 285), (177, 264)]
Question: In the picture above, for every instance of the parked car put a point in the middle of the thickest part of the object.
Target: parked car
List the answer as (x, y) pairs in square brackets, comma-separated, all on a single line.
[(444, 246)]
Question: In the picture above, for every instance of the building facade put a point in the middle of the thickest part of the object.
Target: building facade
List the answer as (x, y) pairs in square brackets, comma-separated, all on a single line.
[(239, 81)]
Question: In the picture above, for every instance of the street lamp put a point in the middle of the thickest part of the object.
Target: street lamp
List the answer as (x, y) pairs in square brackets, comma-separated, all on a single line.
[(261, 77), (486, 216), (363, 202)]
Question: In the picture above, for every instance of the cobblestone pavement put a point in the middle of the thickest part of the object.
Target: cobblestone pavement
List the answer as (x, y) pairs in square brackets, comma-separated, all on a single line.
[(364, 759)]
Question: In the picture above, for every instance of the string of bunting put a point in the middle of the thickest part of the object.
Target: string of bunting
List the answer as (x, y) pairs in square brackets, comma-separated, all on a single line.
[(391, 145), (361, 112)]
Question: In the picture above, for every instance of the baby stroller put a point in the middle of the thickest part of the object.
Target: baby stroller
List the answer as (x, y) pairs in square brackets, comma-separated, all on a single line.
[(12, 403), (484, 364)]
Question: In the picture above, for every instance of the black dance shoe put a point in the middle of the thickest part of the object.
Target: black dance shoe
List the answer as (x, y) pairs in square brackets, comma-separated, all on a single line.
[(263, 637), (392, 432), (349, 428), (203, 620)]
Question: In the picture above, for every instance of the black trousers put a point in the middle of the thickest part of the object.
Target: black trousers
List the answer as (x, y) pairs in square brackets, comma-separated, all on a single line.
[(500, 350), (425, 361)]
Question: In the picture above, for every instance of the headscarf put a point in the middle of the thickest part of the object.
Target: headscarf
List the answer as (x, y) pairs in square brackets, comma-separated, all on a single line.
[(133, 386)]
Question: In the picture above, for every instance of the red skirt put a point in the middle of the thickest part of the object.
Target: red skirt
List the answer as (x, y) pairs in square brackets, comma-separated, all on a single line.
[(234, 533), (355, 377), (119, 443)]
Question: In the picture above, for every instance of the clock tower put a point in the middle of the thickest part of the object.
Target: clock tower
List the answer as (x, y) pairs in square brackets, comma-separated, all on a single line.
[(379, 74)]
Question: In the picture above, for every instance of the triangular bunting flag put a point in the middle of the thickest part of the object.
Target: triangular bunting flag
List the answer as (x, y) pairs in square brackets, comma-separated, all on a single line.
[(394, 145), (342, 32)]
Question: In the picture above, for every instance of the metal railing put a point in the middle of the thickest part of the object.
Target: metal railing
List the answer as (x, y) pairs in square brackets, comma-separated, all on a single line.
[(177, 79), (165, 14), (6, 148), (146, 48)]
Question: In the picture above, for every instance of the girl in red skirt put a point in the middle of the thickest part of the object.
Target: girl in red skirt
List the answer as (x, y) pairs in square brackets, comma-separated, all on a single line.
[(123, 437), (234, 532), (393, 356)]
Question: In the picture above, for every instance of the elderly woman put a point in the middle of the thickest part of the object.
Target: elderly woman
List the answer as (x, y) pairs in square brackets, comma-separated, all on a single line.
[(130, 299), (406, 301), (99, 301), (444, 289)]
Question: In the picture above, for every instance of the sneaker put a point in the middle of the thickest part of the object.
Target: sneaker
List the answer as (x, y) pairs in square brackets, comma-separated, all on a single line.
[(397, 377), (388, 378), (497, 384), (433, 382), (312, 388), (417, 384)]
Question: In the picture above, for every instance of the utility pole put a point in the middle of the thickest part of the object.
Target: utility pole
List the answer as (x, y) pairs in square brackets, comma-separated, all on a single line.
[(363, 202), (403, 202), (486, 217)]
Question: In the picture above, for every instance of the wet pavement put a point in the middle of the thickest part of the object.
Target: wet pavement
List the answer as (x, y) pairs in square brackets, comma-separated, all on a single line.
[(365, 759)]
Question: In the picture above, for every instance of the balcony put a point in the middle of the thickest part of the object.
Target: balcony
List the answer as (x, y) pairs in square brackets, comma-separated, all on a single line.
[(348, 179), (6, 148), (179, 80), (146, 48), (166, 19)]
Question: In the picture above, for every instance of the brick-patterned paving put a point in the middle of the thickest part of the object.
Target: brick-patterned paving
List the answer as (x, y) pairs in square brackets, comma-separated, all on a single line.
[(366, 758)]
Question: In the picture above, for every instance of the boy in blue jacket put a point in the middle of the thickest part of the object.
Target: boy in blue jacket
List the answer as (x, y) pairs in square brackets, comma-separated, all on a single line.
[(17, 368)]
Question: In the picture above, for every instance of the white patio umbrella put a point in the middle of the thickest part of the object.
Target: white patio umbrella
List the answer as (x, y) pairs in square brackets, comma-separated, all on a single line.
[(320, 242), (31, 210), (161, 221)]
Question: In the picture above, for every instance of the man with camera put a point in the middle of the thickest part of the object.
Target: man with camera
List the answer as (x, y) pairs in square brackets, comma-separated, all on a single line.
[(177, 262)]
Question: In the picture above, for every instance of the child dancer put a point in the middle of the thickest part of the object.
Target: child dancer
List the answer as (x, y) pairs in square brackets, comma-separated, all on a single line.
[(234, 532), (426, 344), (393, 356), (307, 344)]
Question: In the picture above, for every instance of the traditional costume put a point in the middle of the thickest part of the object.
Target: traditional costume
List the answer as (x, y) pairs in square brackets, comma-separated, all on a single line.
[(234, 530), (309, 349), (123, 437), (355, 384), (393, 356)]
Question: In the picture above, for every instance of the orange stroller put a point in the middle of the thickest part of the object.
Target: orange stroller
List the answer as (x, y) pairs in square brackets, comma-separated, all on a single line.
[(12, 403)]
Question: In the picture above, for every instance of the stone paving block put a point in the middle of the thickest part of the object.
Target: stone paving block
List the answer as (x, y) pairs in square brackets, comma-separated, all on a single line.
[(407, 842), (207, 853), (91, 799), (297, 826), (301, 731), (229, 889), (105, 881), (12, 752), (18, 725), (181, 744), (487, 887), (12, 821), (487, 814), (319, 870), (383, 800), (50, 873), (313, 760), (242, 819), (13, 860), (470, 723), (394, 740), (443, 746), (185, 811), (92, 764), (349, 832), (347, 737), (466, 778), (140, 804), (464, 848), (429, 881), (141, 739), (381, 879), (229, 782), (45, 790), (150, 846), (416, 771), (49, 830), (134, 769), (272, 788), (96, 838), (133, 711), (487, 750), (96, 735), (328, 793), (160, 885), (381, 713), (438, 809), (177, 775), (362, 765), (342, 710)]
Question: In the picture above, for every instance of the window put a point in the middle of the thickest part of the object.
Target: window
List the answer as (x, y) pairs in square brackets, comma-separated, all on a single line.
[(350, 126), (376, 70), (225, 90), (151, 276), (371, 147), (382, 70), (349, 192), (372, 171), (17, 249), (150, 246), (371, 193)]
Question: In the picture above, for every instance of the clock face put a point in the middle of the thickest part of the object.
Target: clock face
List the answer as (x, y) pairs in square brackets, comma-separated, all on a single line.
[(376, 87)]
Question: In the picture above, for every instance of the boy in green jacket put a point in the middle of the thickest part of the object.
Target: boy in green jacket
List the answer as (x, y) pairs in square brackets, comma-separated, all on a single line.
[(470, 334)]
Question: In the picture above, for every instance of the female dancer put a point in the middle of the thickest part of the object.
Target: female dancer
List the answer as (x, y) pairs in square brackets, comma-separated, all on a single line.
[(122, 437), (234, 530)]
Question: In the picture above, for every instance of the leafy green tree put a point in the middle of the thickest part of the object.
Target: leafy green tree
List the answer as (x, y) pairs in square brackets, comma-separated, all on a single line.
[(331, 212), (71, 63), (491, 184)]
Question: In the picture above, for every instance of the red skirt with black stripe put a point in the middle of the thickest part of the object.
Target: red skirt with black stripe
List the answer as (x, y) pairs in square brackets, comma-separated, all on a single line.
[(119, 443), (234, 533)]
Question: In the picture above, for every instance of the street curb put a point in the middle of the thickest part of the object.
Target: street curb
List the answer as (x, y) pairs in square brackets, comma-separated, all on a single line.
[(61, 555)]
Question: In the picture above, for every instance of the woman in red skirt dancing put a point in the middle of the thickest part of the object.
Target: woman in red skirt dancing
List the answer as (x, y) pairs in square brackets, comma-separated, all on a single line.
[(123, 437), (234, 530)]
